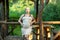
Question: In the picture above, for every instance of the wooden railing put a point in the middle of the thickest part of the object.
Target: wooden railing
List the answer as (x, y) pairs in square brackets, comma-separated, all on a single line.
[(44, 22), (35, 24)]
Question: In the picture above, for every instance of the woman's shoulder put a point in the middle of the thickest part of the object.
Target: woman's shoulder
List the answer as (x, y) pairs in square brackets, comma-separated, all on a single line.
[(31, 15)]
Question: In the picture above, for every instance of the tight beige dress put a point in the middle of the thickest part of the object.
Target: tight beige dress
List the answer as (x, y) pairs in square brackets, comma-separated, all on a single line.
[(27, 27)]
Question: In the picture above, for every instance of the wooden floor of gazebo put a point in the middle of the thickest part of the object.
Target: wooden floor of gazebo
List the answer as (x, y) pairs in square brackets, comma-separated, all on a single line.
[(13, 38)]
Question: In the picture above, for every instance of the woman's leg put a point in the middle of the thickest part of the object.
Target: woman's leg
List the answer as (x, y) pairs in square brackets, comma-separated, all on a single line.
[(27, 37), (31, 36), (23, 37)]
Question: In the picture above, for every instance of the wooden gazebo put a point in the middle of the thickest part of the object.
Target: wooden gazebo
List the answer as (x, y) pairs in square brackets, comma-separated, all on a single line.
[(4, 22)]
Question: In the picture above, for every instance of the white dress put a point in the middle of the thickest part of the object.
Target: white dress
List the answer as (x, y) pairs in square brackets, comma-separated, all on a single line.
[(27, 27)]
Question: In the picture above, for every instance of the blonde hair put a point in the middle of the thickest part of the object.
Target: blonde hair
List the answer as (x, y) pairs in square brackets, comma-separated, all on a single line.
[(27, 8)]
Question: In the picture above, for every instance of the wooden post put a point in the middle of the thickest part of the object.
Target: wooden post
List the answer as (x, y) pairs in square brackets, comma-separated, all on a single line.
[(40, 20), (48, 29), (37, 10), (36, 6), (1, 17), (5, 14), (37, 33)]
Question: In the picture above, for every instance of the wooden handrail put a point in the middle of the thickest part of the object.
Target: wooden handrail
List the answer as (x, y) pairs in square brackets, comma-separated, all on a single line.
[(45, 22), (51, 22)]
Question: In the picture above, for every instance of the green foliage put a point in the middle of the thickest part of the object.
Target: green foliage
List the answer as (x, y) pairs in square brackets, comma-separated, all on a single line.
[(17, 8), (51, 13), (16, 31)]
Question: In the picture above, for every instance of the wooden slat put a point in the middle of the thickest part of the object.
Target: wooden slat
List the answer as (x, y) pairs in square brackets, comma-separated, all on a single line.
[(58, 34)]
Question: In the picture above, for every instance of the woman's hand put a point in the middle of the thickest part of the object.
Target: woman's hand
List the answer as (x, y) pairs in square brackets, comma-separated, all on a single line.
[(21, 24), (32, 23)]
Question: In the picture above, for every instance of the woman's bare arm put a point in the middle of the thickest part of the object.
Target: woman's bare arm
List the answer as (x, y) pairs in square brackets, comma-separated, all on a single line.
[(21, 19), (33, 20)]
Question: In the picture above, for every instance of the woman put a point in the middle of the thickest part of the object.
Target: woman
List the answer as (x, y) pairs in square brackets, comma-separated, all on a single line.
[(26, 23)]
